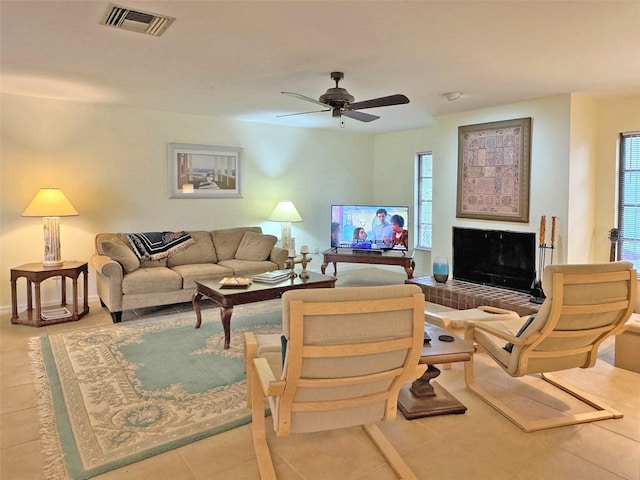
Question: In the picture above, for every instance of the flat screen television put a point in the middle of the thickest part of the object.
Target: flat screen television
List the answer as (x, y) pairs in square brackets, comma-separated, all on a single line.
[(495, 257), (360, 227)]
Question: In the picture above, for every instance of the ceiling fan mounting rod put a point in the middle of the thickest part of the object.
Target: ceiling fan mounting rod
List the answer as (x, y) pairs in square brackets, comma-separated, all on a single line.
[(337, 76)]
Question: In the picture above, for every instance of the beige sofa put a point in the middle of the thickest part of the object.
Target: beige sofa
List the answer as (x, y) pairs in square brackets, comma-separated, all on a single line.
[(125, 282)]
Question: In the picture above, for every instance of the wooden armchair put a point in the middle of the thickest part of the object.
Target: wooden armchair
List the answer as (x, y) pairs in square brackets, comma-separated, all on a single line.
[(585, 304), (348, 353)]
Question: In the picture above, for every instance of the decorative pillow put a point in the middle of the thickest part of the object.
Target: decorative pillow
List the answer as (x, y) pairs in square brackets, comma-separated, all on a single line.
[(509, 346), (122, 254), (255, 246)]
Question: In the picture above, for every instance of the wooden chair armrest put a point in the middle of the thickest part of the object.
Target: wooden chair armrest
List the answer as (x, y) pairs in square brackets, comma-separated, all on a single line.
[(250, 349), (270, 386), (496, 332), (490, 309)]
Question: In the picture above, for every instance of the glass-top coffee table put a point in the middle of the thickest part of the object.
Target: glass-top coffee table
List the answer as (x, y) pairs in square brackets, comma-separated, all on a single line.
[(227, 298)]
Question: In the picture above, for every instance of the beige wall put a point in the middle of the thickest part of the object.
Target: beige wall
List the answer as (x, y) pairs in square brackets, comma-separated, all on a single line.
[(549, 169), (582, 180), (112, 164), (614, 116)]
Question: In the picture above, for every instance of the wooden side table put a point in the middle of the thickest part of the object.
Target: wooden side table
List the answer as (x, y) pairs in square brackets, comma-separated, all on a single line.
[(36, 273)]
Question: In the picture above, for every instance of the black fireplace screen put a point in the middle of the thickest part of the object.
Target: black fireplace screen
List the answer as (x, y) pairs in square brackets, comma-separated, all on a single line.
[(495, 257)]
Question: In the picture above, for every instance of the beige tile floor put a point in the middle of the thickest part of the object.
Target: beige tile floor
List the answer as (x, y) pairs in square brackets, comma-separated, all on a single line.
[(480, 444)]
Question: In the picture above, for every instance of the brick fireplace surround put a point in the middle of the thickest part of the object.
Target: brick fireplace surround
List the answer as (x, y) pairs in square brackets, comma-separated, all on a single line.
[(464, 295)]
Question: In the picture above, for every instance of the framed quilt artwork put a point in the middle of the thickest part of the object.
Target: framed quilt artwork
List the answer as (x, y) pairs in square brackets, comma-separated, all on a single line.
[(204, 171), (494, 162)]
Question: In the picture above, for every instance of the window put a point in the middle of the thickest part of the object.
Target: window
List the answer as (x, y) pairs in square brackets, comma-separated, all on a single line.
[(629, 199), (424, 199)]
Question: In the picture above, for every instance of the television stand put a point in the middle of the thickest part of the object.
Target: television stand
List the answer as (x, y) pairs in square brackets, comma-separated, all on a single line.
[(402, 258)]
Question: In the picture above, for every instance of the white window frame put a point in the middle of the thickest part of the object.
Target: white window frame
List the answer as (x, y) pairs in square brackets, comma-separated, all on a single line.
[(629, 199), (424, 201)]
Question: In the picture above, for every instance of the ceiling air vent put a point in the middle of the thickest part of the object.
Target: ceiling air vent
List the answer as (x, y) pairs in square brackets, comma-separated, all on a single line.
[(136, 20)]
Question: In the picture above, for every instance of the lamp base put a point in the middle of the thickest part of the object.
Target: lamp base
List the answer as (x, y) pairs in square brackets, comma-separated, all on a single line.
[(51, 226), (56, 263), (287, 244)]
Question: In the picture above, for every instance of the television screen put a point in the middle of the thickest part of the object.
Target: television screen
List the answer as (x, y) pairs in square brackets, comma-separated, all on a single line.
[(370, 227), (494, 257)]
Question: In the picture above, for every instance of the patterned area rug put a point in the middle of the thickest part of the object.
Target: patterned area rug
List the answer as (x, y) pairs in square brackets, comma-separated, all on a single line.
[(113, 395)]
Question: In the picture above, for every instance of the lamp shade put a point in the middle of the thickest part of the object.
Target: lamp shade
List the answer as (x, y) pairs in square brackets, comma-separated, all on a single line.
[(285, 211), (49, 202)]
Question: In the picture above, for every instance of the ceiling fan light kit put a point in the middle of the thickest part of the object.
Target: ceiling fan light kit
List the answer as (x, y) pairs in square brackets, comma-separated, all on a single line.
[(341, 103)]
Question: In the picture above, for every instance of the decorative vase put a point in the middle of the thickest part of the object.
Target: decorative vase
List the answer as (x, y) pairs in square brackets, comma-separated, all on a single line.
[(441, 269)]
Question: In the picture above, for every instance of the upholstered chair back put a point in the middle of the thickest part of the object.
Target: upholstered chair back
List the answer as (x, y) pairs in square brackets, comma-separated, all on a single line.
[(348, 353)]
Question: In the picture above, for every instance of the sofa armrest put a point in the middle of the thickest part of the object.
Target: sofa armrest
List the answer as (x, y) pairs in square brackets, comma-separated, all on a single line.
[(109, 275), (279, 255), (103, 265)]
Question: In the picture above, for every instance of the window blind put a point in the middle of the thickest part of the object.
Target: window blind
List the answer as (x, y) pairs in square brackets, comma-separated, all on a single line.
[(629, 199)]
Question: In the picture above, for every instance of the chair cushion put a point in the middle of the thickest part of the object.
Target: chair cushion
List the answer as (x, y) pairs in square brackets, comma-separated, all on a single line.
[(255, 246), (122, 254), (270, 348), (509, 346)]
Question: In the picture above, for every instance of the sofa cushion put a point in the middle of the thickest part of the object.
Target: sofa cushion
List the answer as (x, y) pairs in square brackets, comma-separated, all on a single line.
[(255, 246), (121, 253), (148, 263), (200, 252), (248, 268), (200, 271), (227, 240), (151, 280)]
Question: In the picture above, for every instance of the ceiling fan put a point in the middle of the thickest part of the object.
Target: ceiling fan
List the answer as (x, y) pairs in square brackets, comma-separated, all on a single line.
[(340, 102)]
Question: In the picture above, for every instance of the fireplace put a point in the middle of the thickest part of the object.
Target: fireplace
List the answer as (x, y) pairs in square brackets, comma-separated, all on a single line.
[(496, 258)]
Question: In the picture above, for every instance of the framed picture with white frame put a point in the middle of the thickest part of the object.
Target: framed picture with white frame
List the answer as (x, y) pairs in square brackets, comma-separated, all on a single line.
[(204, 171)]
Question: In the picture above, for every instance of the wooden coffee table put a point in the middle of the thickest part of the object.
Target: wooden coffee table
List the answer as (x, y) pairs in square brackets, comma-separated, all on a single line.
[(227, 298), (423, 398)]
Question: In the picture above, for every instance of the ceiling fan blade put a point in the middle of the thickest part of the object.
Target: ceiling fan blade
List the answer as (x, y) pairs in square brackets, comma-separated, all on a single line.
[(363, 117), (397, 99), (302, 113), (302, 97)]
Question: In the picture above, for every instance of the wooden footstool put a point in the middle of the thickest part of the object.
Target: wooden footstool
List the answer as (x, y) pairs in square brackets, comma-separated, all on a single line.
[(455, 320)]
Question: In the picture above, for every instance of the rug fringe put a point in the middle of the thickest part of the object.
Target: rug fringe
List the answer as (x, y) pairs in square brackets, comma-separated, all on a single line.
[(54, 466)]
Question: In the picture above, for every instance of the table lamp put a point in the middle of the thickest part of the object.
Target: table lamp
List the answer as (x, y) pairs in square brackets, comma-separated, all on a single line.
[(51, 204), (285, 213)]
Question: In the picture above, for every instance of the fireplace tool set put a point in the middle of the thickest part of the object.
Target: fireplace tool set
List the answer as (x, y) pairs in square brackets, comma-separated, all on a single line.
[(537, 294)]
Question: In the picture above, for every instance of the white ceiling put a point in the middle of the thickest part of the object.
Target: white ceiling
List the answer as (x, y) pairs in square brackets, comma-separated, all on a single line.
[(233, 58)]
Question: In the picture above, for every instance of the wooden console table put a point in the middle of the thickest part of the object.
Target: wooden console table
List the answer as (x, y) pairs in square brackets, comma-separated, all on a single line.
[(389, 257), (36, 273)]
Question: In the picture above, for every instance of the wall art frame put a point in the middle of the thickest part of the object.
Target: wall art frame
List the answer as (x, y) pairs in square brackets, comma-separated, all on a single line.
[(494, 163), (204, 171)]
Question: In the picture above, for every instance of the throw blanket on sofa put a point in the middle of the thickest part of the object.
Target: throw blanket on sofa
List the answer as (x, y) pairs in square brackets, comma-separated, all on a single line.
[(159, 245)]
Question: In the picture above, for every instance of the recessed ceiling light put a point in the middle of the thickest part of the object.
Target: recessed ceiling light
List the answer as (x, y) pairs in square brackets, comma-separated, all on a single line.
[(451, 96)]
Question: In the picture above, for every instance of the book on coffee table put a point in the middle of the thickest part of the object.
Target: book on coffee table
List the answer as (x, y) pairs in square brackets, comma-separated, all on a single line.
[(235, 282), (274, 276)]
